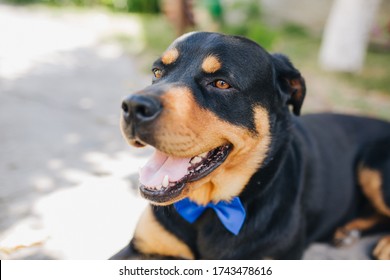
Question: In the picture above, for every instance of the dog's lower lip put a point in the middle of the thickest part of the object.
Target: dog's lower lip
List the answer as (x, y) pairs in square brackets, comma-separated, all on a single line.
[(138, 144), (195, 172), (163, 195)]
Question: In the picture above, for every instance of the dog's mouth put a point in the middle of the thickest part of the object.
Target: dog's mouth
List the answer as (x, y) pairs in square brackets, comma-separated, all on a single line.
[(164, 177)]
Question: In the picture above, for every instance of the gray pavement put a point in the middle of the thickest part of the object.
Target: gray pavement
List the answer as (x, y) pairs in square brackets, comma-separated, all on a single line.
[(68, 179)]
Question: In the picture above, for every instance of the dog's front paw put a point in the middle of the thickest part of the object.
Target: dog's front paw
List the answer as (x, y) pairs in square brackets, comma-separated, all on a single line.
[(382, 249), (344, 237)]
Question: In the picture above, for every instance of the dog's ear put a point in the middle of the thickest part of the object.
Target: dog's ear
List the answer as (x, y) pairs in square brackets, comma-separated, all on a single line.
[(290, 82)]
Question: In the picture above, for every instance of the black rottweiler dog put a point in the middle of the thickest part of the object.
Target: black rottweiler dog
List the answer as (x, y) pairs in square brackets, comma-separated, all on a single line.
[(235, 175)]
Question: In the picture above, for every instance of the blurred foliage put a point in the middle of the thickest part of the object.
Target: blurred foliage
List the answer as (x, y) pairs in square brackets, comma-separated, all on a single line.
[(248, 20), (295, 30), (158, 34), (135, 6), (215, 8)]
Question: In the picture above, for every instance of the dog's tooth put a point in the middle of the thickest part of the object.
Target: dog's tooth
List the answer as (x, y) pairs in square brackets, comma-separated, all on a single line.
[(199, 168), (203, 155), (165, 181), (196, 160)]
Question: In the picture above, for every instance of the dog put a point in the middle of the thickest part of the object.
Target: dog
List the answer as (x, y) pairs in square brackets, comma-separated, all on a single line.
[(236, 172)]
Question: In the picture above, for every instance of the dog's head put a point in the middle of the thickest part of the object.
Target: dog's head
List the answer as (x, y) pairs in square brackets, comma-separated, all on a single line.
[(209, 114)]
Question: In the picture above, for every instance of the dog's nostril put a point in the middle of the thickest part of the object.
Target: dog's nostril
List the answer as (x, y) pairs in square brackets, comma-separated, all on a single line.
[(144, 111), (125, 108)]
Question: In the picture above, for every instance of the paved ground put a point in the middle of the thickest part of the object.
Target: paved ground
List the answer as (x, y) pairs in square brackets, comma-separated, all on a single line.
[(65, 169), (68, 179)]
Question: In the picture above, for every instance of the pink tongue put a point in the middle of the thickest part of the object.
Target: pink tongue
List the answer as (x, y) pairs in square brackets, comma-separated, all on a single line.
[(160, 165)]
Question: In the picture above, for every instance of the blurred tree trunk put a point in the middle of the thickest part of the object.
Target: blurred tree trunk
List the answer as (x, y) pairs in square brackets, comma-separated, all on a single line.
[(346, 34), (179, 13)]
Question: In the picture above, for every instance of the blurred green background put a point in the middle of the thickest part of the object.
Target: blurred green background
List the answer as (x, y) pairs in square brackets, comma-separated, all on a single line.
[(134, 6)]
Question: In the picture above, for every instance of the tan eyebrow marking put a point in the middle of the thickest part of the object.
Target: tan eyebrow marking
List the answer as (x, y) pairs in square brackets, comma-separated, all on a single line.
[(170, 56), (211, 64)]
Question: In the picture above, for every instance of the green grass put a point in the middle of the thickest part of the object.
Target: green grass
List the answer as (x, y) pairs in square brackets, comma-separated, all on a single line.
[(375, 74)]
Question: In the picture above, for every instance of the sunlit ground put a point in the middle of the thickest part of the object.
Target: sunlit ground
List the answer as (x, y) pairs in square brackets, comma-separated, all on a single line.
[(89, 220)]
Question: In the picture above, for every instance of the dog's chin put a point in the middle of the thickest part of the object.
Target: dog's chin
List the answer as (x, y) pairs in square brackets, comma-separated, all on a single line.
[(166, 179)]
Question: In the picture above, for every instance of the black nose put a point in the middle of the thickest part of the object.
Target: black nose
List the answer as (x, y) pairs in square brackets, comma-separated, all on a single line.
[(141, 108)]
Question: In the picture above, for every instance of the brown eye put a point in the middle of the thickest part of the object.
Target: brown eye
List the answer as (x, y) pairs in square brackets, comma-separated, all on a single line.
[(221, 84), (157, 73)]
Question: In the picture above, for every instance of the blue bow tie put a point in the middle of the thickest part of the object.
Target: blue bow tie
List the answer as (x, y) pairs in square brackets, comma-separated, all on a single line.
[(231, 214)]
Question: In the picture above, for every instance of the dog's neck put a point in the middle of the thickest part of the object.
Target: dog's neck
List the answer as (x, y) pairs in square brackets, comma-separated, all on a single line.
[(280, 125)]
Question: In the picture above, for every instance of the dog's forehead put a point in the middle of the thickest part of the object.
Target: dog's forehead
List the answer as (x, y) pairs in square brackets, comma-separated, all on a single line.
[(205, 44)]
